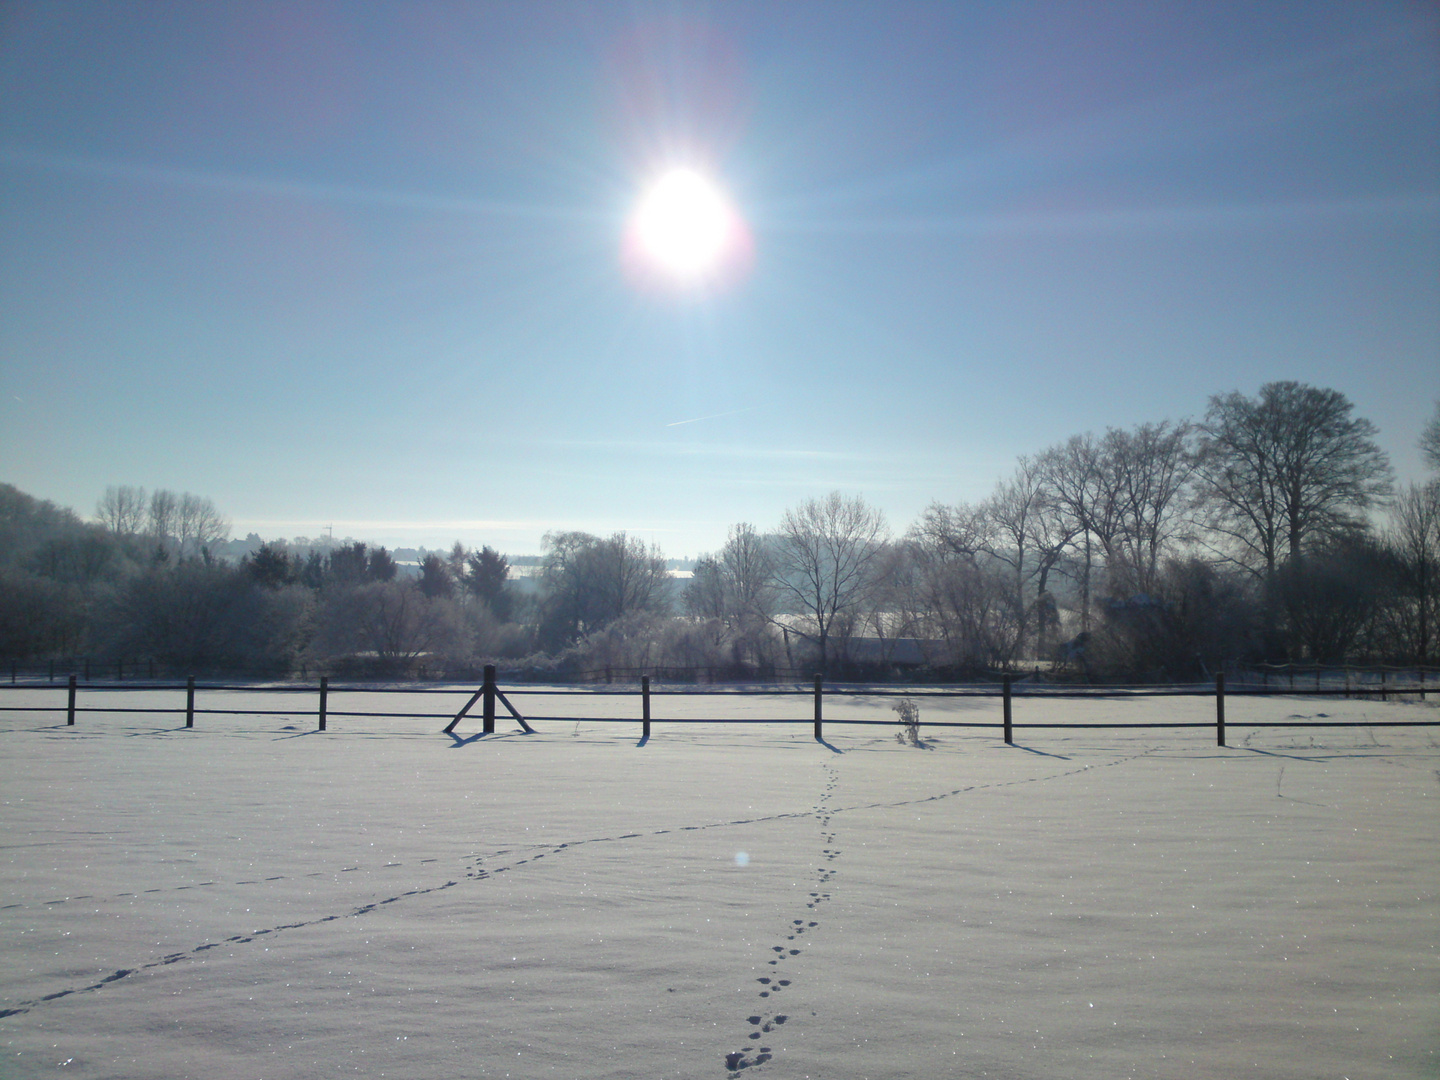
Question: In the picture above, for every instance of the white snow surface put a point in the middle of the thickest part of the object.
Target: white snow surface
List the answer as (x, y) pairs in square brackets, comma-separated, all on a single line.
[(254, 898)]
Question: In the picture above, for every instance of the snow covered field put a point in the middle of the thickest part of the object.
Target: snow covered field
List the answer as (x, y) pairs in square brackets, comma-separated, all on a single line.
[(253, 898)]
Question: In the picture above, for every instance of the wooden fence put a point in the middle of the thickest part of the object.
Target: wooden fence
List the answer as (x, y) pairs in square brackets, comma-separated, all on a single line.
[(489, 696)]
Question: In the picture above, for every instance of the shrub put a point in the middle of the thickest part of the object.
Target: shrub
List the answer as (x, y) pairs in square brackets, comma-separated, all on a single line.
[(910, 720)]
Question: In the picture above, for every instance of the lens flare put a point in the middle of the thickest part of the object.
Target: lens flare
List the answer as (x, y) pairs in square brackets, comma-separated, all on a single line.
[(684, 230)]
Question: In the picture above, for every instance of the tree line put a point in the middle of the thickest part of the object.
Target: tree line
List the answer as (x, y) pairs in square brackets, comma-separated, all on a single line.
[(1268, 530)]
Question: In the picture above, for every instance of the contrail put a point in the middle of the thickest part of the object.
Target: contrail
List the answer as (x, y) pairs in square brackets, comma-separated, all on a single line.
[(715, 416), (243, 183)]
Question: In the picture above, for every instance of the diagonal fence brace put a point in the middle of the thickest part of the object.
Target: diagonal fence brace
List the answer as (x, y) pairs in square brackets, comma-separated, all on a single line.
[(487, 693)]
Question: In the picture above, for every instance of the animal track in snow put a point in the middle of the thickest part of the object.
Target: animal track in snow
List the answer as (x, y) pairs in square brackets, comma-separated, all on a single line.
[(822, 811), (737, 1061)]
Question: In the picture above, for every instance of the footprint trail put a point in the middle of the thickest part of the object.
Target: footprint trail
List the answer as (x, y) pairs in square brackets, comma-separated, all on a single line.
[(763, 1024)]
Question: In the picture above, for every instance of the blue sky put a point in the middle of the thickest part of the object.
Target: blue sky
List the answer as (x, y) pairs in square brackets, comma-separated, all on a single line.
[(360, 264)]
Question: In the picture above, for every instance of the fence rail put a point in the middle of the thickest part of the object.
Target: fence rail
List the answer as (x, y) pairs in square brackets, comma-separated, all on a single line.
[(489, 695)]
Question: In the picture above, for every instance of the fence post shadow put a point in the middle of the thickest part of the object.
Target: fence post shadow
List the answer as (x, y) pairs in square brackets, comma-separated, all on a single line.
[(460, 741)]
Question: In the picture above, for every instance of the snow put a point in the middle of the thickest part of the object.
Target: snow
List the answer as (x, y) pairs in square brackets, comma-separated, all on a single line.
[(255, 898)]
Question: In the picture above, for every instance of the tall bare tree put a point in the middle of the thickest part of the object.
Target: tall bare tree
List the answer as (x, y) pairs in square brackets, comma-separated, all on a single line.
[(735, 589), (1430, 439), (160, 520), (1085, 502), (748, 566), (826, 563), (735, 585), (198, 525), (959, 594), (122, 509), (1021, 525), (1287, 469), (1414, 539), (1149, 470)]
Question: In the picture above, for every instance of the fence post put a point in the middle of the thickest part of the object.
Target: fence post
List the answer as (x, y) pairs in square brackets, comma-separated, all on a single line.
[(1384, 685), (819, 691), (1005, 695), (1220, 708), (488, 699), (645, 705), (1422, 684), (71, 718), (190, 701), (52, 672), (324, 699)]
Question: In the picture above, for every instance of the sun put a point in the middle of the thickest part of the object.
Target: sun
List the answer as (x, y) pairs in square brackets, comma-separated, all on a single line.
[(685, 229)]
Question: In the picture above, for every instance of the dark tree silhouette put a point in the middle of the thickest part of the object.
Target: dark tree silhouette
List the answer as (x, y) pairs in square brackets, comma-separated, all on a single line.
[(1288, 469), (489, 570), (435, 580), (382, 565), (270, 566)]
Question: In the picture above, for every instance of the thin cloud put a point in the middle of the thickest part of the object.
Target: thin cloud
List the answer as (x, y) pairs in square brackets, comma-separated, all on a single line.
[(245, 184)]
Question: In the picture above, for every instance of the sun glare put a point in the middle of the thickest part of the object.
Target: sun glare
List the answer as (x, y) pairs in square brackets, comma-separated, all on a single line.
[(684, 229)]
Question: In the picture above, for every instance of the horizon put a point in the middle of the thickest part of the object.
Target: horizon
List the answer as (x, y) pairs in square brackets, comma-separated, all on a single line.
[(429, 274)]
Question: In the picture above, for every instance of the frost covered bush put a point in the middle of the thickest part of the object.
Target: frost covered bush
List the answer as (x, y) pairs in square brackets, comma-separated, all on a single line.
[(910, 719)]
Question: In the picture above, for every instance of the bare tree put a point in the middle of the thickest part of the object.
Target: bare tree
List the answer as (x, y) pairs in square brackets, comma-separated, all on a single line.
[(1414, 539), (748, 565), (1430, 439), (590, 582), (198, 525), (961, 599), (1123, 497), (122, 509), (1022, 525), (393, 620), (735, 590), (1288, 469), (734, 585), (826, 561), (960, 531), (160, 521), (1075, 478), (706, 596), (1149, 470)]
